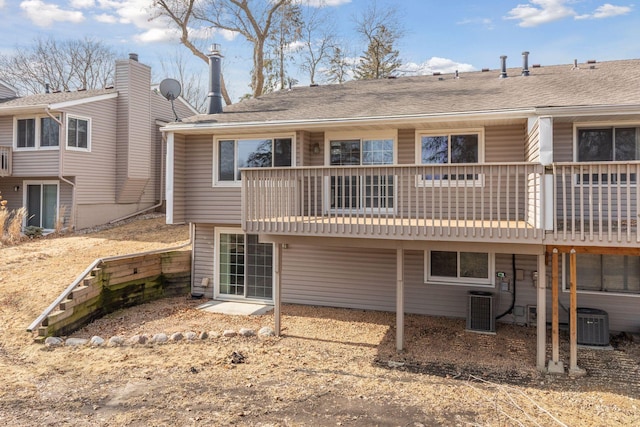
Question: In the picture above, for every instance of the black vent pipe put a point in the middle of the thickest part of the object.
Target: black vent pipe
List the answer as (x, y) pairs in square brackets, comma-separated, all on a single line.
[(214, 98)]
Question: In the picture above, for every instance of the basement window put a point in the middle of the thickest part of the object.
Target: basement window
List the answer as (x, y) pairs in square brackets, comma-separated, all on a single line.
[(615, 274), (459, 268)]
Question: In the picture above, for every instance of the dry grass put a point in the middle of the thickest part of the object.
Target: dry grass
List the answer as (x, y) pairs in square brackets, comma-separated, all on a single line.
[(329, 368), (11, 226)]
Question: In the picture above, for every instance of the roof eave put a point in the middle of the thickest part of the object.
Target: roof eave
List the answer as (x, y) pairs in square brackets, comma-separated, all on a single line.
[(310, 124), (587, 110)]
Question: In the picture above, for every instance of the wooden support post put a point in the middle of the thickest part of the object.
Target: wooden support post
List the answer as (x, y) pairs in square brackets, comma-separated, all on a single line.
[(555, 366), (400, 299), (277, 248), (541, 311), (574, 370)]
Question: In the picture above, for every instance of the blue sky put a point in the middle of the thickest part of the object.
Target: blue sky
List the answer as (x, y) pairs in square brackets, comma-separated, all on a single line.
[(439, 35)]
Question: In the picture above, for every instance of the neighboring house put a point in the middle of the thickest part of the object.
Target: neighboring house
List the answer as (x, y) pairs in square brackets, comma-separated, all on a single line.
[(110, 164), (442, 195)]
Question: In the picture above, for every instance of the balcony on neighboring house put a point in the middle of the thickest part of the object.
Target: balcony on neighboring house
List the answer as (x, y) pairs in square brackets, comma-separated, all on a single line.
[(596, 204), (462, 202), (5, 161)]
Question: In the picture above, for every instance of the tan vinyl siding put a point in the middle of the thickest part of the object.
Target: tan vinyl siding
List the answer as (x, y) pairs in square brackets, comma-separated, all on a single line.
[(13, 198), (505, 143), (563, 142), (38, 163), (302, 148), (406, 146), (179, 180), (316, 159), (205, 202), (6, 131), (95, 170), (203, 255), (532, 144)]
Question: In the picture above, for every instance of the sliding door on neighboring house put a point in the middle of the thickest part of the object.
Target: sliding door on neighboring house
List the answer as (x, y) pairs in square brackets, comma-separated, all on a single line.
[(41, 201)]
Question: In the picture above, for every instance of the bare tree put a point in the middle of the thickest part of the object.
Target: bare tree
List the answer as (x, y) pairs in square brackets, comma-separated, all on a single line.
[(194, 84), (63, 65), (339, 66), (381, 30), (318, 41), (253, 19), (287, 29)]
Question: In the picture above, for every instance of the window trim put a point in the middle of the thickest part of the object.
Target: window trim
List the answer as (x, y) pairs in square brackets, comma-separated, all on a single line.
[(489, 282), (216, 145), (216, 269), (421, 182), (37, 130), (566, 287), (66, 136)]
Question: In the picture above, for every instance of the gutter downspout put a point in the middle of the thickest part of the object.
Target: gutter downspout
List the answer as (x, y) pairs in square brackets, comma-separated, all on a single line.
[(61, 165), (157, 205), (93, 265)]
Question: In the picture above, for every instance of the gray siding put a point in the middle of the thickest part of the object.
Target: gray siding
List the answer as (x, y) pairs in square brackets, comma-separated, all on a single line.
[(95, 171), (203, 256), (6, 131), (5, 92), (179, 180), (563, 142)]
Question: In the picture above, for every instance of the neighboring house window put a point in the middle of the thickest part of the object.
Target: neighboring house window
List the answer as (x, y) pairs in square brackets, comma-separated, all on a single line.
[(37, 132), (606, 273), (370, 191), (462, 268), (78, 133), (442, 148), (608, 144), (234, 154), (245, 266)]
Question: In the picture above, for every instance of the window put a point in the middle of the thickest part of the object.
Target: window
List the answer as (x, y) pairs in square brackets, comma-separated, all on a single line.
[(234, 154), (41, 201), (605, 273), (450, 149), (245, 266), (37, 132), (608, 144), (464, 268), (78, 133), (361, 192)]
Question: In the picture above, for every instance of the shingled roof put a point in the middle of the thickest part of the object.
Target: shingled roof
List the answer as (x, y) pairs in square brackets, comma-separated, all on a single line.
[(52, 98), (595, 84)]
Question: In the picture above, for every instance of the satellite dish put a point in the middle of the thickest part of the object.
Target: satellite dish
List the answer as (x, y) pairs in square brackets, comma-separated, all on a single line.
[(171, 89)]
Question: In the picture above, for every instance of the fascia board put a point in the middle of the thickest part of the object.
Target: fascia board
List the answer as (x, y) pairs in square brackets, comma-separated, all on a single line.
[(66, 104)]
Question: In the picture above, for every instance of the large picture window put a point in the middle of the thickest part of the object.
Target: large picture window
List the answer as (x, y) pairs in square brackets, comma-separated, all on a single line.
[(234, 154), (36, 133), (371, 191), (462, 268), (608, 144), (448, 149), (605, 273)]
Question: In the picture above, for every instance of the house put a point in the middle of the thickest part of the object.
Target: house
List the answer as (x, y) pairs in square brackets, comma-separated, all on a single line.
[(87, 157), (504, 195)]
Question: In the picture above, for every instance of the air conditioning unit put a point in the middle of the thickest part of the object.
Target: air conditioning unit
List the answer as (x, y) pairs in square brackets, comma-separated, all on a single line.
[(480, 316), (593, 326)]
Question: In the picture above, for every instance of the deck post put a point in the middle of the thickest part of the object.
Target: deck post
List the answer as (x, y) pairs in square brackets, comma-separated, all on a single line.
[(541, 312), (399, 299), (555, 365), (574, 370), (277, 249)]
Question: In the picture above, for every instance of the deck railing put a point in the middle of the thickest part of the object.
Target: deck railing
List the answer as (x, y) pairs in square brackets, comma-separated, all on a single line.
[(5, 161), (481, 202), (596, 203)]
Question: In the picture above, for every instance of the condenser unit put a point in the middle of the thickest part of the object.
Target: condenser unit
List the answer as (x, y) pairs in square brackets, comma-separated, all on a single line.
[(480, 316), (593, 326)]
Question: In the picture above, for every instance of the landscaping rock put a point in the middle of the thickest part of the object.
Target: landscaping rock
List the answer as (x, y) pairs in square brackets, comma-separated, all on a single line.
[(76, 342), (229, 333), (160, 338), (190, 336), (246, 332), (138, 339), (96, 341), (53, 342), (203, 335), (214, 334), (115, 341), (266, 331), (176, 336)]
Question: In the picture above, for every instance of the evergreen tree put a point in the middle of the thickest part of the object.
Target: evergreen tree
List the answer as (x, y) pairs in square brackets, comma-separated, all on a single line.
[(380, 59), (339, 66)]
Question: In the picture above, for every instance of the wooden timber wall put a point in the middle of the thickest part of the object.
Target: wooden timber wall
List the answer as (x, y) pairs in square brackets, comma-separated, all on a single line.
[(119, 284)]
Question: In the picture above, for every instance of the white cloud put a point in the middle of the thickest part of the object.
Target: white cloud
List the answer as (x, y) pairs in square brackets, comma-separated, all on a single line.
[(2, 3), (435, 64), (486, 22), (105, 18), (540, 12), (82, 4), (44, 15), (607, 10)]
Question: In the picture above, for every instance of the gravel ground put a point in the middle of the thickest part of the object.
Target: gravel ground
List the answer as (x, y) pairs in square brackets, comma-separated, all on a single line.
[(330, 367)]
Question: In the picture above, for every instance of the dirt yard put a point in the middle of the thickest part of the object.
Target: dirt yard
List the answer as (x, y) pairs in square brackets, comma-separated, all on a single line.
[(331, 366)]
